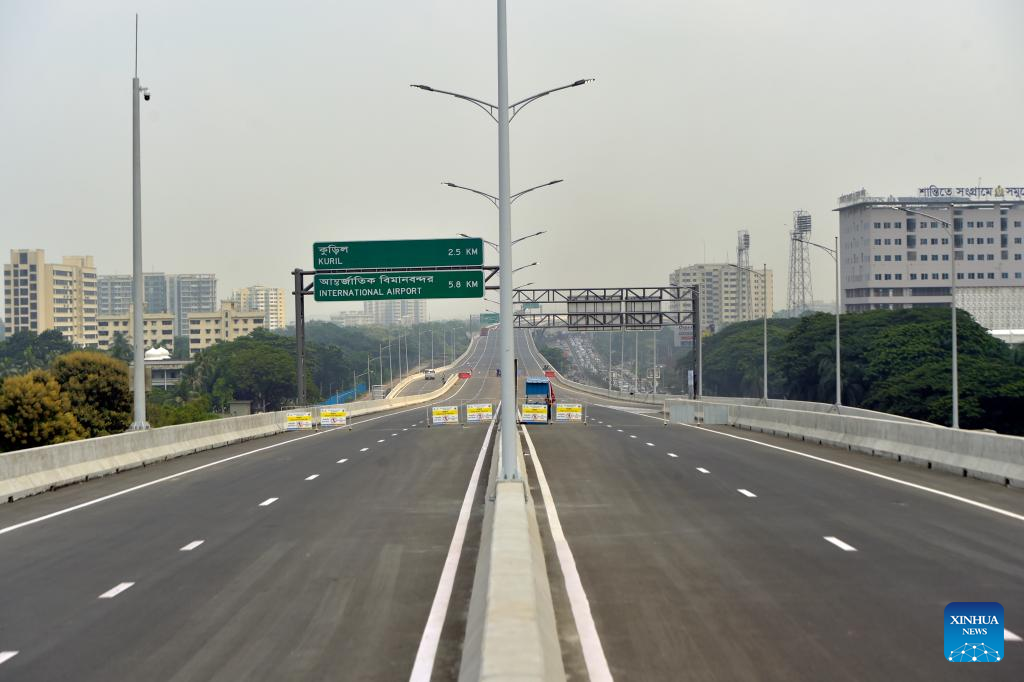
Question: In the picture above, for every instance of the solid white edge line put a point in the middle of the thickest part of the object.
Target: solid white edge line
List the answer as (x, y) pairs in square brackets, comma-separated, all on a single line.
[(7, 655), (839, 543), (269, 501), (850, 467), (119, 493), (115, 590), (1010, 636), (312, 477), (590, 641), (192, 545), (342, 461), (423, 666), (744, 491)]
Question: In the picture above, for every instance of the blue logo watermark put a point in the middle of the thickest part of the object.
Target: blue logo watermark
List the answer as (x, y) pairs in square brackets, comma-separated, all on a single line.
[(974, 632)]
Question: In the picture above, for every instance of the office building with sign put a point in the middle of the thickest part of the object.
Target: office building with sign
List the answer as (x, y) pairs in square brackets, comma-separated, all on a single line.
[(900, 252)]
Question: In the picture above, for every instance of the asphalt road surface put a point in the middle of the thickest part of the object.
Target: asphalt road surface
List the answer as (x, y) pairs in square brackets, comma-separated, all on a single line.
[(708, 555), (305, 557)]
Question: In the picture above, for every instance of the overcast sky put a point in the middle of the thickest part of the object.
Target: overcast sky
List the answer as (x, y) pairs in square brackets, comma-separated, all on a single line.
[(273, 125)]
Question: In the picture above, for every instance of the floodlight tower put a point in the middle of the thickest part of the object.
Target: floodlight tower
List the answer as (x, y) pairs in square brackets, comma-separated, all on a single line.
[(800, 296), (743, 261)]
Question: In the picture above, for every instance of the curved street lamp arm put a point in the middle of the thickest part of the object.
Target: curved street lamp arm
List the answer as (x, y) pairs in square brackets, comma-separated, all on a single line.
[(516, 107), (489, 109), (491, 198), (831, 252), (750, 270), (527, 191)]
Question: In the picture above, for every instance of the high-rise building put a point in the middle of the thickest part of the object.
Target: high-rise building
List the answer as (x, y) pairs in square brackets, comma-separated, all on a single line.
[(157, 329), (226, 324), (114, 293), (187, 294), (405, 312), (268, 300), (39, 296), (727, 294), (899, 252)]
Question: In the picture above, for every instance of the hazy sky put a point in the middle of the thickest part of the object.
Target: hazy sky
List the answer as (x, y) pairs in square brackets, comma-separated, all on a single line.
[(273, 125)]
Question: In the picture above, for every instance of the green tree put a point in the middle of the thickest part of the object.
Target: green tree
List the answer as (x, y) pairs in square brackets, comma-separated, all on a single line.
[(34, 411), (24, 351), (97, 386), (120, 349)]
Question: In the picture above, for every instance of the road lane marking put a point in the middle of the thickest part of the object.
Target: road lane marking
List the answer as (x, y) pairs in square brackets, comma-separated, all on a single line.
[(192, 545), (405, 429), (269, 501), (7, 655), (116, 590), (850, 467), (363, 449), (381, 440), (342, 461), (744, 491), (671, 454), (651, 444), (703, 470), (393, 435), (840, 544), (310, 478), (632, 436), (427, 651), (590, 641), (608, 426), (1010, 637)]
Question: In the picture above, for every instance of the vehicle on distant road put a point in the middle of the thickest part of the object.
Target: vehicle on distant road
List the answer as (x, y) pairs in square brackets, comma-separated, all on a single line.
[(429, 375)]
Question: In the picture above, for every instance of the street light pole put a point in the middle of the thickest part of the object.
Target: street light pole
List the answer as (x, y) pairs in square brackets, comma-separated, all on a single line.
[(138, 291), (834, 253), (764, 293), (948, 227)]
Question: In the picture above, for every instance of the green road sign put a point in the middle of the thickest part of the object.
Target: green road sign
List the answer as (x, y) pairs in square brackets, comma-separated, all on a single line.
[(378, 286), (398, 253), (489, 318)]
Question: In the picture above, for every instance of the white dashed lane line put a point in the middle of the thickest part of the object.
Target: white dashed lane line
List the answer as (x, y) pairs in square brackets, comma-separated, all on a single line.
[(840, 544), (342, 461), (269, 501), (393, 435), (744, 491), (671, 454), (116, 590), (619, 430), (310, 478), (1007, 636), (381, 440), (632, 436), (192, 545), (7, 655), (703, 470), (363, 449), (650, 445)]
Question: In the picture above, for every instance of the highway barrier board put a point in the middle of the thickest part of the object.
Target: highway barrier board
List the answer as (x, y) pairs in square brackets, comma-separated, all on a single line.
[(378, 286), (549, 373), (294, 421), (568, 412), (480, 412), (465, 375), (333, 416), (398, 253), (534, 413), (447, 414), (489, 318)]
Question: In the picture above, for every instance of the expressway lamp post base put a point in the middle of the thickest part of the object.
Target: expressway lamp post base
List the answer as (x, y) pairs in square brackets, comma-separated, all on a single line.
[(139, 426)]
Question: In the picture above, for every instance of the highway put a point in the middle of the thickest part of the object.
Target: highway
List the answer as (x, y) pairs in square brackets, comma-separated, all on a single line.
[(420, 385), (711, 555), (313, 556)]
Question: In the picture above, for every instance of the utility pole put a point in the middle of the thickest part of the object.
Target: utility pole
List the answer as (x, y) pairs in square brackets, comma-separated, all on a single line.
[(138, 291)]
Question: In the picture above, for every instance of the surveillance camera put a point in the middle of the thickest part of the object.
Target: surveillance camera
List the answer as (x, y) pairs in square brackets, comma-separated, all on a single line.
[(145, 95)]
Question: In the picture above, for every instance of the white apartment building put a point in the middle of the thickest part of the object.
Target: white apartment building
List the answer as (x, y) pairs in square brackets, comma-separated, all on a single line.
[(727, 294), (39, 296), (114, 293), (226, 324), (157, 329), (900, 252), (191, 293), (268, 300)]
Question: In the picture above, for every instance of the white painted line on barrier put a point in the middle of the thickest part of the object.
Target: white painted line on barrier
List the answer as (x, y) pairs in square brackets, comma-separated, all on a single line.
[(313, 477), (116, 590), (192, 545), (269, 501), (590, 641), (671, 454), (744, 491), (423, 666), (1010, 636), (363, 449), (7, 655), (840, 544), (703, 470), (342, 461)]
